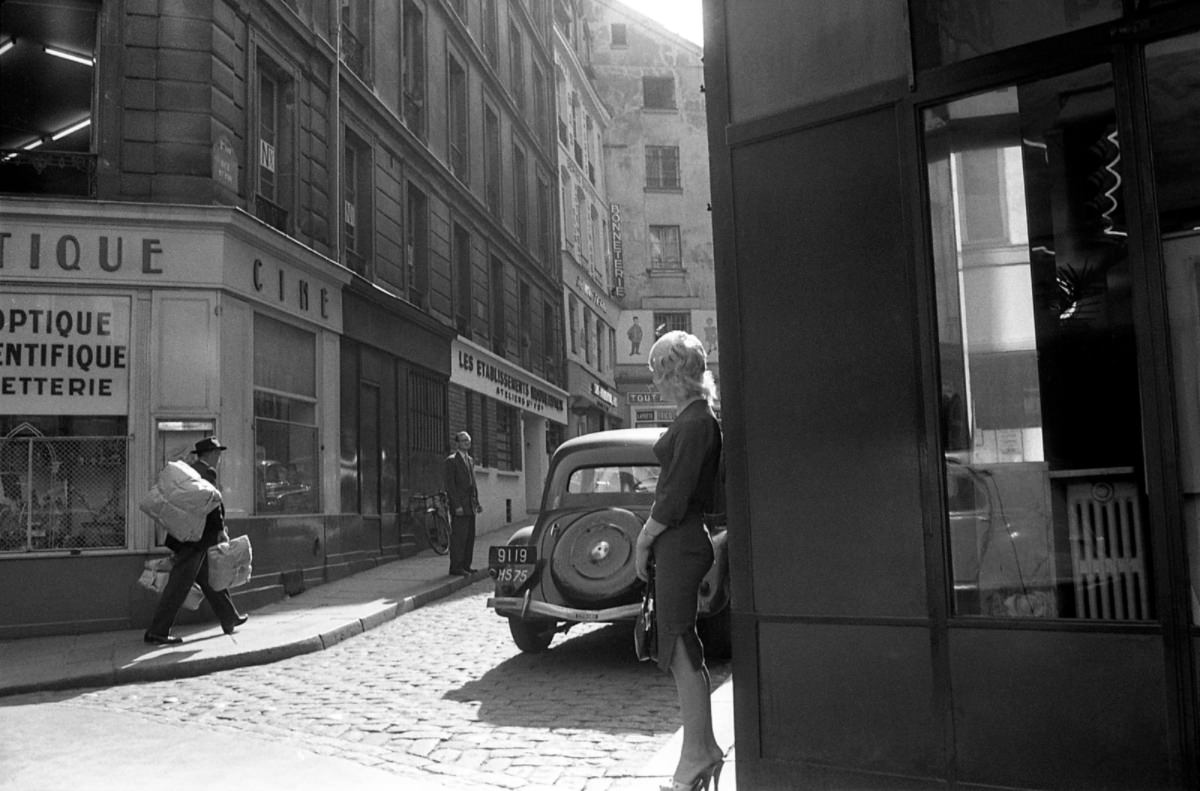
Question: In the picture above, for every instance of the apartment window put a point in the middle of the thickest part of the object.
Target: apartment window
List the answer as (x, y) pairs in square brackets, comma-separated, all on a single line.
[(544, 214), (521, 194), (619, 35), (525, 320), (565, 180), (413, 69), (456, 115), (462, 279), (516, 66), (47, 100), (491, 32), (491, 158), (594, 241), (573, 321), (550, 331), (662, 167), (612, 347), (580, 199), (665, 250), (356, 208), (273, 195), (601, 339), (669, 321), (658, 93), (285, 416), (541, 108), (588, 338), (499, 331), (356, 35), (416, 246)]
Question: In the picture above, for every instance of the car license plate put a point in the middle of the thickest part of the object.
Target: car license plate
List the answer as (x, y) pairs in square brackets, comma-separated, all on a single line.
[(512, 565), (512, 556)]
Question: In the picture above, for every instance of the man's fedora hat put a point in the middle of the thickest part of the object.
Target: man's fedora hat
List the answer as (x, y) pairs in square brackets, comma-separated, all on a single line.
[(207, 444)]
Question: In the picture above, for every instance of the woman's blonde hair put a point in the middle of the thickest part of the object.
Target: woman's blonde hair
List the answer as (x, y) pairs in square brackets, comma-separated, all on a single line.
[(679, 357)]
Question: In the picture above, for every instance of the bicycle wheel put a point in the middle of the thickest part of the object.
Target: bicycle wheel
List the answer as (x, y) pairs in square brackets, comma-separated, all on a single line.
[(439, 533)]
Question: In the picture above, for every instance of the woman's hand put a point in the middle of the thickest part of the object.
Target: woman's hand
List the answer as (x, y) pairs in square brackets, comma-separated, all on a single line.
[(642, 550)]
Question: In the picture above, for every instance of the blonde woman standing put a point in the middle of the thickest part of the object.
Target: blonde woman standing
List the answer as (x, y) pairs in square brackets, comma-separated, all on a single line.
[(676, 539)]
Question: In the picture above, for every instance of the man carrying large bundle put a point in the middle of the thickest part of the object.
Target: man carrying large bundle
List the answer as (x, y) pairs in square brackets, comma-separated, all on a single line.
[(174, 502)]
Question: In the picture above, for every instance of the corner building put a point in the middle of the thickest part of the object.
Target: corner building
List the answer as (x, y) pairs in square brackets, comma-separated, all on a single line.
[(957, 253), (324, 232)]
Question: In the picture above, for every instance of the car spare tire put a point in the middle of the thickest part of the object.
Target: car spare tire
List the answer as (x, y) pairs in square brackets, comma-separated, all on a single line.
[(593, 557)]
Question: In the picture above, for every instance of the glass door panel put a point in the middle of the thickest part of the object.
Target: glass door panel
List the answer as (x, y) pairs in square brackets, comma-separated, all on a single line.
[(1173, 90), (1040, 413)]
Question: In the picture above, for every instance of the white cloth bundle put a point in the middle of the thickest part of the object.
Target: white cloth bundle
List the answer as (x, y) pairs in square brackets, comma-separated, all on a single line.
[(229, 563), (180, 501)]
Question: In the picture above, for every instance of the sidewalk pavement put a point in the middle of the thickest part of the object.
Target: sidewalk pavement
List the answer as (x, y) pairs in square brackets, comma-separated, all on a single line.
[(312, 621)]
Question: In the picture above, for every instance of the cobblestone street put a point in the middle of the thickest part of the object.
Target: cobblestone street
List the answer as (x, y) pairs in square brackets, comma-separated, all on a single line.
[(441, 690)]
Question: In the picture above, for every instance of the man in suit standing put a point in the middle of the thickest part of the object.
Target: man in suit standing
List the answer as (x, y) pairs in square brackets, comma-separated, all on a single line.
[(458, 475)]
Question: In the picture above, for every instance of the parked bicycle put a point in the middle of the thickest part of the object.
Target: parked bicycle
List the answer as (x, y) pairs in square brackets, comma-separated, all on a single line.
[(436, 516)]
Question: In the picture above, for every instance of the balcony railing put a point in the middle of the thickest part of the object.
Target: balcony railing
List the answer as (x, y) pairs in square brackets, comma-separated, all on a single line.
[(43, 172), (271, 213)]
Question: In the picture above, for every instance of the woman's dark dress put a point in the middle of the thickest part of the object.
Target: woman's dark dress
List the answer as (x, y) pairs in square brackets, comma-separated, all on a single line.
[(688, 454)]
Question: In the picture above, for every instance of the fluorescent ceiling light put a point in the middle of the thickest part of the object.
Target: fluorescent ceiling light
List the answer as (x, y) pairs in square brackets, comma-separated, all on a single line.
[(7, 45), (86, 60), (71, 129), (33, 145)]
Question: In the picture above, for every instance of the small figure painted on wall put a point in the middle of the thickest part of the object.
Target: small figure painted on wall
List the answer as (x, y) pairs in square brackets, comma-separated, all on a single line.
[(635, 337)]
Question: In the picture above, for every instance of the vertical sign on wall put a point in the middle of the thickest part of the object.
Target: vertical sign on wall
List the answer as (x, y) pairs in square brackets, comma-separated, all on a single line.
[(64, 354), (618, 252)]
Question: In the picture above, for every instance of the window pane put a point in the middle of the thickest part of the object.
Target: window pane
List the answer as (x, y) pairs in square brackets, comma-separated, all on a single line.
[(1173, 78), (284, 357), (948, 31), (1040, 418)]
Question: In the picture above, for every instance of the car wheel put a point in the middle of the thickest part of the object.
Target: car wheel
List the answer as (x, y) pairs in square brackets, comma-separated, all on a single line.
[(593, 557), (716, 634), (532, 637)]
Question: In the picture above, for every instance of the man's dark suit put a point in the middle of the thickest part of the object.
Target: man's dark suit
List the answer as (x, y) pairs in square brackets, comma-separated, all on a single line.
[(459, 479)]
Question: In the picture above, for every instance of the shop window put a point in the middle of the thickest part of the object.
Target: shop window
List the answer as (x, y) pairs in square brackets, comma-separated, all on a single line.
[(48, 57), (662, 167), (665, 248), (508, 438), (428, 426), (947, 31), (287, 462), (1040, 415), (412, 69), (63, 483), (658, 93), (456, 117)]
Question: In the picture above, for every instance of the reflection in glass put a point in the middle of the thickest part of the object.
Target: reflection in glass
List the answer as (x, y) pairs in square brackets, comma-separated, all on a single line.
[(1173, 81), (1040, 418)]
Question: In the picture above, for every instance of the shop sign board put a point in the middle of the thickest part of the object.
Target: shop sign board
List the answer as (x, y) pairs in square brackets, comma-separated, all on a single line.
[(477, 369), (64, 354), (618, 250)]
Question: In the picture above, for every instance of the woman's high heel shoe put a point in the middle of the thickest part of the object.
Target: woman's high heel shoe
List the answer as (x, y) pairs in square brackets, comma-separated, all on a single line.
[(709, 774)]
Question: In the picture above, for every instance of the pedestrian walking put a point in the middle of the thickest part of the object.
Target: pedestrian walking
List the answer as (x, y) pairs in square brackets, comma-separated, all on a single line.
[(191, 561), (675, 538), (458, 476)]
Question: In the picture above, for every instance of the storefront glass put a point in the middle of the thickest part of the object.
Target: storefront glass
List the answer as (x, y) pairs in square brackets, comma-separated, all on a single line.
[(62, 483), (285, 418), (1173, 82), (1040, 418), (948, 31)]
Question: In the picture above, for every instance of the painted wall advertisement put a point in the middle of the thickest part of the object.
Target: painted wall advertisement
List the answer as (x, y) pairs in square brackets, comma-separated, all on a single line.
[(64, 355), (636, 333)]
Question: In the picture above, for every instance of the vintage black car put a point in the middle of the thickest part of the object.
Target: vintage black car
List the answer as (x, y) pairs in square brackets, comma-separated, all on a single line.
[(575, 564)]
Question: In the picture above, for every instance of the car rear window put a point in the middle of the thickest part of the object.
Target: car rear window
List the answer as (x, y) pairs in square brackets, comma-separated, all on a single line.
[(609, 484)]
